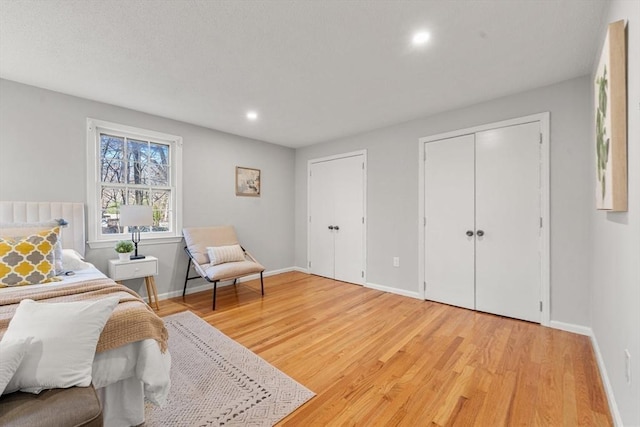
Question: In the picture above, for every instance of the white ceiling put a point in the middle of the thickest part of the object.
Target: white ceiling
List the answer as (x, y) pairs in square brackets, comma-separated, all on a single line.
[(313, 70)]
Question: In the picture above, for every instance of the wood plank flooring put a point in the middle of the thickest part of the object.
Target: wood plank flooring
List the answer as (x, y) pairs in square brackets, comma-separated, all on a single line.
[(378, 359)]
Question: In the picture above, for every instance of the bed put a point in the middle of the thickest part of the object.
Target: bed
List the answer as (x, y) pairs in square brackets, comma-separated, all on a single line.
[(126, 370)]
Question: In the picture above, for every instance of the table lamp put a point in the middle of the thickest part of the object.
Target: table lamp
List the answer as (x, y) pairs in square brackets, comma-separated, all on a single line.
[(135, 216)]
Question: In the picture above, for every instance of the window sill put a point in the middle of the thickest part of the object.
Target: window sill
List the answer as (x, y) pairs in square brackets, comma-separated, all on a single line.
[(101, 244)]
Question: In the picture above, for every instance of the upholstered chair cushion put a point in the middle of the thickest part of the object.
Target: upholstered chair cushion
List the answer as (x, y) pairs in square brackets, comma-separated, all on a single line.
[(232, 270)]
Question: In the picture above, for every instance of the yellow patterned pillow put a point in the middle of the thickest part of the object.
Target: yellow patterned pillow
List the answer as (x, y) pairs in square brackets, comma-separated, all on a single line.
[(28, 261)]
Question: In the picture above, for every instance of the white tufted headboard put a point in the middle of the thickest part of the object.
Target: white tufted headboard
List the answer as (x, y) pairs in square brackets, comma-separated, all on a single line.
[(73, 213)]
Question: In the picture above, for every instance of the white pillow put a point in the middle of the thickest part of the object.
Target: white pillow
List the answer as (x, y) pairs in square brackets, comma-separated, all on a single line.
[(65, 335), (222, 254), (11, 354), (72, 260)]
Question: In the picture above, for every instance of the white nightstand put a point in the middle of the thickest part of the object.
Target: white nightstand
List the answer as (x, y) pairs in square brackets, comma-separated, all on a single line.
[(133, 269)]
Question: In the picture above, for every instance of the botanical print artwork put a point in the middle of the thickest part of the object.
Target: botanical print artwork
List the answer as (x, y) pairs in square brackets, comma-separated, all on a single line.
[(603, 129), (247, 182), (602, 139)]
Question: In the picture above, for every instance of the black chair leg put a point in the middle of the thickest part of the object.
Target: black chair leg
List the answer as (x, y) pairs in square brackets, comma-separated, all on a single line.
[(215, 288), (234, 281), (186, 278), (261, 283)]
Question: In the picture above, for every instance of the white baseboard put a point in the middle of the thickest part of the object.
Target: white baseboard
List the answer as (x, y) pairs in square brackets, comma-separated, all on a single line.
[(396, 291), (570, 327), (613, 407), (584, 330), (300, 269), (208, 286)]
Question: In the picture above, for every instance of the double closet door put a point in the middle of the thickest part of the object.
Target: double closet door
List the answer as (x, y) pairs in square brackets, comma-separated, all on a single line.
[(336, 218), (483, 220)]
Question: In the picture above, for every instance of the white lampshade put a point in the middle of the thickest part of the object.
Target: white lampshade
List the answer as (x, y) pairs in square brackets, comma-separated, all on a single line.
[(135, 215)]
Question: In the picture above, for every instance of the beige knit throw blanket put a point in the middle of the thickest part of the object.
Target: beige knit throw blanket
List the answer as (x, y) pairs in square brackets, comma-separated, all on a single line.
[(132, 320)]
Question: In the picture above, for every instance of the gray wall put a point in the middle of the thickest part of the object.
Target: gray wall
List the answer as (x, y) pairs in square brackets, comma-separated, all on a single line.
[(42, 158), (392, 190), (615, 245)]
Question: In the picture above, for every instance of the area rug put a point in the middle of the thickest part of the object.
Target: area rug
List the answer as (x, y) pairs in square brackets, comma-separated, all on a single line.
[(217, 382)]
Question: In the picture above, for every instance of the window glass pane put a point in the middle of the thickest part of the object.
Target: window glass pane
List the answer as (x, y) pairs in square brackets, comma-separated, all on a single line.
[(137, 173), (159, 175), (159, 153), (138, 197), (162, 220), (111, 155), (158, 168), (110, 223), (161, 202), (111, 199), (138, 151), (137, 160), (111, 147), (112, 171)]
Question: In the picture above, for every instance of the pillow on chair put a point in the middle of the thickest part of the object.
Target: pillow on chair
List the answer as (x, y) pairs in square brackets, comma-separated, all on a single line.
[(222, 254)]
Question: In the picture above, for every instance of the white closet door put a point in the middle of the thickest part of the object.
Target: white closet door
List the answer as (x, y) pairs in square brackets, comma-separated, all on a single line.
[(449, 208), (348, 176), (321, 211), (508, 214)]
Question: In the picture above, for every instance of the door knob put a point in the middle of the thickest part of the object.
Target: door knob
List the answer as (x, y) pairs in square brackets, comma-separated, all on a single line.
[(331, 227), (469, 233), (336, 227), (480, 233)]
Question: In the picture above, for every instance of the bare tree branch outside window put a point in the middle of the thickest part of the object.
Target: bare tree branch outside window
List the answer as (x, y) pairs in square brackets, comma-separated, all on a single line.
[(134, 171)]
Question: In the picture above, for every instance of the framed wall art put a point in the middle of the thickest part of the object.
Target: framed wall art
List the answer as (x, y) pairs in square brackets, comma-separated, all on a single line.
[(611, 121), (247, 182)]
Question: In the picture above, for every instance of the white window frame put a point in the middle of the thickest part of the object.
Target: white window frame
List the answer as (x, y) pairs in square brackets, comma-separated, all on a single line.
[(94, 203)]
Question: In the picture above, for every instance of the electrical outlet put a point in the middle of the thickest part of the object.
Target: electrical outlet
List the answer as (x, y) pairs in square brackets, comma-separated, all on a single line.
[(396, 261), (627, 366)]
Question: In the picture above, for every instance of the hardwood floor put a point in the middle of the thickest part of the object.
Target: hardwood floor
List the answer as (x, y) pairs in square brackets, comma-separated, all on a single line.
[(378, 359)]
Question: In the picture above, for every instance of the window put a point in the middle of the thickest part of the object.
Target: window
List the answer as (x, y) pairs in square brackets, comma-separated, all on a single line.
[(132, 166)]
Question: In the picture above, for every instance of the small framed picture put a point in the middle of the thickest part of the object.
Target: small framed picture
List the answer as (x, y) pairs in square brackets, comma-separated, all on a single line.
[(247, 182)]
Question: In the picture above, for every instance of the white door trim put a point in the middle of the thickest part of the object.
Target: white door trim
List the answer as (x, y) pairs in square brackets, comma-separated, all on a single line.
[(543, 119), (362, 153)]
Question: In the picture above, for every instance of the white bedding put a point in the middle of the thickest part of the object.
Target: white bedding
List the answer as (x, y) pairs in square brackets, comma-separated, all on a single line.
[(78, 276), (125, 376)]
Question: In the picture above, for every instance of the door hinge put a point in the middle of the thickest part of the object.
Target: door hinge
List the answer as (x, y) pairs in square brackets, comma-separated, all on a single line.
[(540, 305), (309, 173), (362, 165), (309, 218), (540, 222), (362, 274), (540, 139), (309, 264), (425, 286), (363, 220), (425, 221)]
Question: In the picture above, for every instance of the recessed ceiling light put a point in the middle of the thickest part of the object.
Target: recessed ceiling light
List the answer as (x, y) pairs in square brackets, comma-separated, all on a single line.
[(252, 115), (420, 38)]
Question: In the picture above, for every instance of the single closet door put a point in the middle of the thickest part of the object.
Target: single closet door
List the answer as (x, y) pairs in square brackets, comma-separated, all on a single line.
[(508, 215), (321, 214), (449, 209), (336, 219), (349, 219)]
